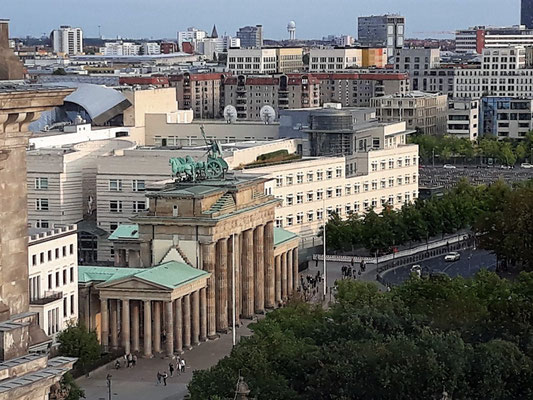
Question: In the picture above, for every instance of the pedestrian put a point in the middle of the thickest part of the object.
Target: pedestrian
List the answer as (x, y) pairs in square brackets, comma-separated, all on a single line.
[(316, 263), (178, 365), (165, 376), (134, 360), (182, 365), (130, 360), (352, 262), (125, 360), (171, 368), (158, 377)]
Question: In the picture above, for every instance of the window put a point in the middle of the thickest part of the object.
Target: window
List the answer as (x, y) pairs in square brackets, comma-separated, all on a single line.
[(319, 214), (279, 181), (319, 194), (289, 180), (139, 205), (374, 203), (374, 166), (72, 304), (138, 185), (319, 175), (365, 186), (71, 274), (391, 200), (289, 200), (329, 174), (310, 177), (299, 198), (383, 164), (65, 308), (399, 162), (348, 208), (34, 259), (41, 204), (71, 249), (366, 205), (348, 190), (279, 222), (356, 188), (391, 182), (391, 163), (58, 282), (290, 220), (300, 218), (338, 191), (41, 258), (49, 281), (309, 196), (399, 180), (65, 277), (115, 206), (338, 172), (41, 183), (374, 185), (42, 223), (49, 255), (310, 215), (115, 185), (64, 251), (329, 193), (299, 178)]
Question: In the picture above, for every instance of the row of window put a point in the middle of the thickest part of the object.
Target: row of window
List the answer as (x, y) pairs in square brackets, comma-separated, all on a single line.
[(51, 255), (116, 206), (116, 185), (310, 196), (356, 207), (58, 282)]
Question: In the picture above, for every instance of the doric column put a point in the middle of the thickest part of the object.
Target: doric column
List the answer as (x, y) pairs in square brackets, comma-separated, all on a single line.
[(208, 259), (221, 269), (270, 284), (169, 328), (295, 264), (195, 320), (87, 312), (259, 271), (247, 274), (135, 310), (178, 326), (238, 278), (157, 326), (289, 273), (278, 279), (147, 328), (230, 279), (125, 328), (114, 323), (203, 315), (234, 261), (186, 322), (104, 317), (284, 276)]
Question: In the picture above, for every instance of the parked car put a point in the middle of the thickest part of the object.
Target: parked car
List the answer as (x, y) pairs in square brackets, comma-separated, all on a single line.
[(505, 167), (448, 166), (453, 256), (526, 165)]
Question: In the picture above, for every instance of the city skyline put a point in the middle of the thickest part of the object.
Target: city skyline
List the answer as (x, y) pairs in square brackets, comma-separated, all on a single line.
[(158, 21)]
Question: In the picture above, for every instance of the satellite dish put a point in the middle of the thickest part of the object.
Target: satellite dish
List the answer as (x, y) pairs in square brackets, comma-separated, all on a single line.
[(267, 114), (230, 114)]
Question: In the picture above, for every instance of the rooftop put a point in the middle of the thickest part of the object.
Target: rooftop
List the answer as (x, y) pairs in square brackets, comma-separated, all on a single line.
[(125, 231), (281, 236), (171, 274)]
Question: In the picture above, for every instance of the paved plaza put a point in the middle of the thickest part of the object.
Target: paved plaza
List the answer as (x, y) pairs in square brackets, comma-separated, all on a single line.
[(140, 382)]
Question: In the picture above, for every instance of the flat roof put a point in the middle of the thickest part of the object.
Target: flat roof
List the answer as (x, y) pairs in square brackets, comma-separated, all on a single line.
[(282, 235), (125, 231)]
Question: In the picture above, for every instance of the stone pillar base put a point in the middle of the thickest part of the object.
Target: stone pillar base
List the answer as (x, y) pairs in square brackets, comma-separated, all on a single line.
[(203, 339), (214, 337)]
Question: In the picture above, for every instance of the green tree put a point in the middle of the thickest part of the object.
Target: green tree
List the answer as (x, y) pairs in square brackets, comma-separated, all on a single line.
[(77, 341), (69, 385)]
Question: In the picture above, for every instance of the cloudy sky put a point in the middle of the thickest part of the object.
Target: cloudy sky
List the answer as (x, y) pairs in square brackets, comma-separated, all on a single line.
[(314, 18)]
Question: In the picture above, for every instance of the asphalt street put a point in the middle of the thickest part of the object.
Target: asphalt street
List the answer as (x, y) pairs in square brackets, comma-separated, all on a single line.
[(468, 265)]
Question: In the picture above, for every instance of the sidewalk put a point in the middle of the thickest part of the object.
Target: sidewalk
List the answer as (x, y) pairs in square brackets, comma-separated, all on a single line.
[(141, 382)]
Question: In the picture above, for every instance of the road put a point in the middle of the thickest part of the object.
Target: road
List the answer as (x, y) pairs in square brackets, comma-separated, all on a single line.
[(470, 263)]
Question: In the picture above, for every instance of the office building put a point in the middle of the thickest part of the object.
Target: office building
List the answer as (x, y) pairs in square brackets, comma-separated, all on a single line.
[(252, 60), (435, 80), (506, 117), (475, 39), (417, 62), (424, 112), (53, 277), (340, 59), (463, 118), (120, 48), (191, 35), (289, 60), (67, 40), (251, 36), (526, 13), (27, 371), (386, 31)]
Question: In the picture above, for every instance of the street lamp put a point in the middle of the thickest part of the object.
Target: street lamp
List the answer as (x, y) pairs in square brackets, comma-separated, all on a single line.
[(108, 378)]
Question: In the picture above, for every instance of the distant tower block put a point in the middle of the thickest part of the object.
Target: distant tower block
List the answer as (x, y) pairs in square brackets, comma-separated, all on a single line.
[(291, 28)]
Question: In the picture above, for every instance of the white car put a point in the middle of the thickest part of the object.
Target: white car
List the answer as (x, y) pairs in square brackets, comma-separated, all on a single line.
[(453, 256), (417, 269), (448, 166), (526, 165)]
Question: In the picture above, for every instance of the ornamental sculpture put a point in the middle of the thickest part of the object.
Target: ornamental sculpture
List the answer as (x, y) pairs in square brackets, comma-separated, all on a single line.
[(188, 170)]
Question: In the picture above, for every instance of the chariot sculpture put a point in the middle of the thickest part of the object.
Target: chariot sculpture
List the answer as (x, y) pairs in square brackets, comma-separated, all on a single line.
[(188, 170)]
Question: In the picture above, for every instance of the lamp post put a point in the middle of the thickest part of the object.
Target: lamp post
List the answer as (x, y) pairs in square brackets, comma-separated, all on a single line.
[(108, 378)]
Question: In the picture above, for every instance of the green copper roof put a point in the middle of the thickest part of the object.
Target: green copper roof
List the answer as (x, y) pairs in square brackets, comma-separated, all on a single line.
[(281, 236), (171, 274), (126, 231)]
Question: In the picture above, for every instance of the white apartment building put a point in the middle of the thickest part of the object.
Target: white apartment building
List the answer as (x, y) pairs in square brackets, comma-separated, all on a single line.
[(53, 277), (475, 39), (67, 40), (373, 177), (503, 72), (334, 59), (120, 48), (417, 62), (252, 61), (191, 35), (463, 118), (62, 182), (150, 49)]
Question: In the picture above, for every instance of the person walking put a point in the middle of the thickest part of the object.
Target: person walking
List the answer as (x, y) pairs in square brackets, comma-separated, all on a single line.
[(164, 376), (158, 377), (182, 365), (130, 360), (171, 369), (134, 360)]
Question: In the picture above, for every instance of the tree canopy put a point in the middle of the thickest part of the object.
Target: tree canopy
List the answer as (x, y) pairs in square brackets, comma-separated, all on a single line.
[(78, 341), (469, 339)]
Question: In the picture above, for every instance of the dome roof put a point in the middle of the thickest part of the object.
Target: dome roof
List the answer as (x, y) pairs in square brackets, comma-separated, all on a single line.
[(291, 24)]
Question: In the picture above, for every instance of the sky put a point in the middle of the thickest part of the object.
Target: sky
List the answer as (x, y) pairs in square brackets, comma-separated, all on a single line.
[(314, 18)]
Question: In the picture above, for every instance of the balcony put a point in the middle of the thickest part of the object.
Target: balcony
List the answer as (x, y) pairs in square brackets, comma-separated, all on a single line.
[(49, 297)]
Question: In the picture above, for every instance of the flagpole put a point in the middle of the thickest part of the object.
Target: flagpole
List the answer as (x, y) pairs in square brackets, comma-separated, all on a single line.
[(233, 288)]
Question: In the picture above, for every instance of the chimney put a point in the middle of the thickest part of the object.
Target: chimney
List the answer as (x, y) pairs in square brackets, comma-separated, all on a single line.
[(10, 66)]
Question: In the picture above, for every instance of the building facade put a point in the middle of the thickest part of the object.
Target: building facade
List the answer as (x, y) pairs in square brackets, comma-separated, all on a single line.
[(417, 62), (425, 112), (475, 39), (381, 31), (506, 117), (526, 13), (340, 59), (53, 278), (463, 118), (251, 36), (67, 40), (252, 61), (191, 35)]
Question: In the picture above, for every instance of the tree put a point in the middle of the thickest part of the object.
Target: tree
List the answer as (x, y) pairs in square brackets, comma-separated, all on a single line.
[(77, 341), (69, 385)]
